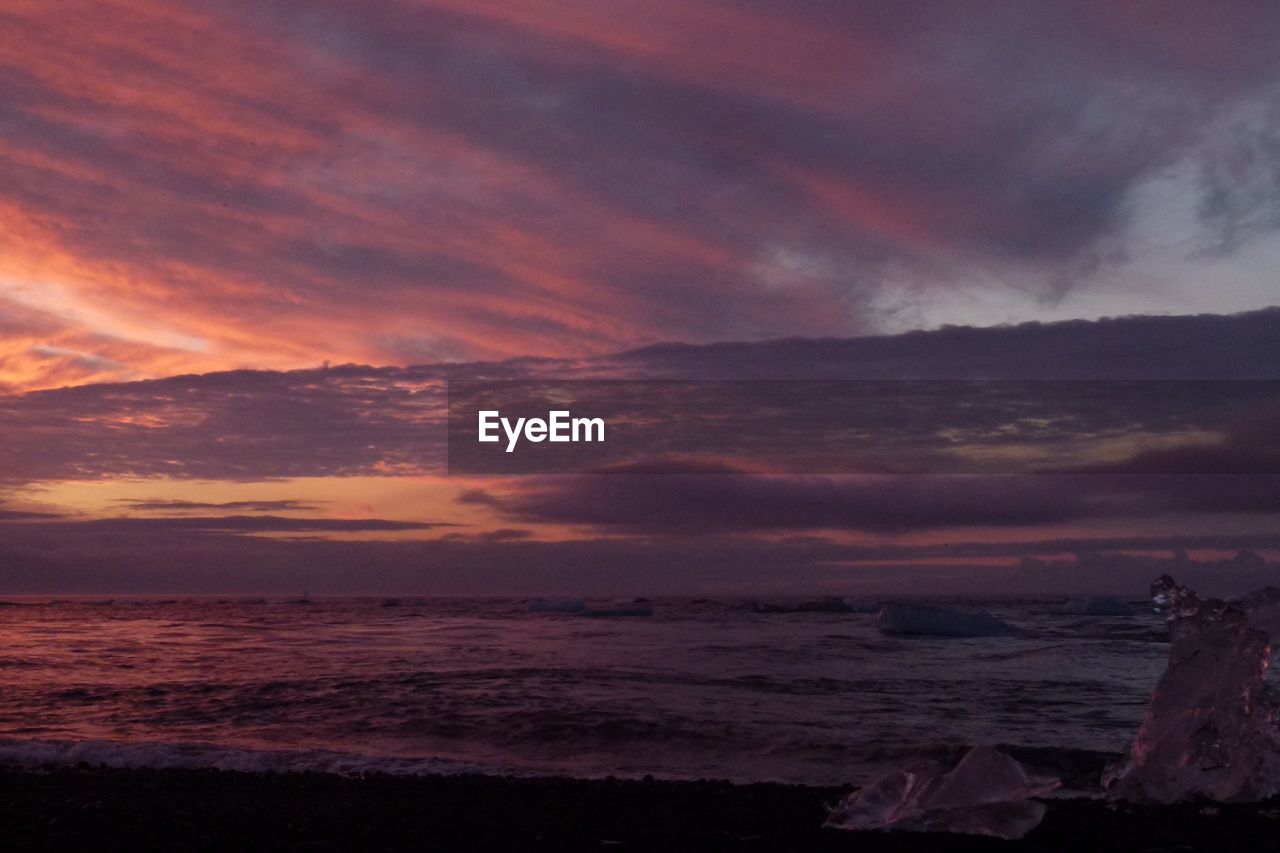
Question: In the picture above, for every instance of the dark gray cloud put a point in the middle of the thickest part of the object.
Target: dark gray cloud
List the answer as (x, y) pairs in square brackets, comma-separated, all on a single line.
[(66, 559), (353, 420), (1039, 144), (157, 505), (242, 425), (1240, 346), (674, 524), (23, 515), (694, 505), (685, 505), (130, 526), (502, 534), (878, 426)]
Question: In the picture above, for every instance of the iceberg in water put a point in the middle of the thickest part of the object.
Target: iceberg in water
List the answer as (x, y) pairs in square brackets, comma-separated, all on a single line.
[(557, 605), (1211, 729), (862, 605), (923, 620), (619, 608), (579, 607), (817, 605), (1095, 605), (986, 793)]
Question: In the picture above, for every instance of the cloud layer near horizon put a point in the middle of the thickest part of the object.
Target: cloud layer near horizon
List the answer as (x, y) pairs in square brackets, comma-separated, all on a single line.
[(197, 186), (77, 558), (267, 480), (356, 420)]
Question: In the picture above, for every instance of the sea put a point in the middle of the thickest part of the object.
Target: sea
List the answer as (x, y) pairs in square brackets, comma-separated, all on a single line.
[(746, 691)]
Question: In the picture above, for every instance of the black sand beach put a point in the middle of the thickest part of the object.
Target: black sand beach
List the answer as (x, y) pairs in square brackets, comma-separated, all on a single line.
[(82, 808)]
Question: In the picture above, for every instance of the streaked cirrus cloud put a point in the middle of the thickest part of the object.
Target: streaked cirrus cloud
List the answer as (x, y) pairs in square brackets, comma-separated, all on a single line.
[(188, 186)]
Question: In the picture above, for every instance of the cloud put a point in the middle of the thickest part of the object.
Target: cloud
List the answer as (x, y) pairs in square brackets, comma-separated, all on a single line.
[(210, 186), (1240, 178), (1239, 346), (502, 534), (157, 505), (694, 505), (62, 559), (212, 524), (243, 425), (668, 523), (698, 504), (24, 515), (357, 420)]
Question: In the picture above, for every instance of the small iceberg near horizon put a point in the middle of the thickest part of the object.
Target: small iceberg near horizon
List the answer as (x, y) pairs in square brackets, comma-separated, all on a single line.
[(557, 605), (829, 604), (579, 607), (1094, 605), (619, 608), (922, 620)]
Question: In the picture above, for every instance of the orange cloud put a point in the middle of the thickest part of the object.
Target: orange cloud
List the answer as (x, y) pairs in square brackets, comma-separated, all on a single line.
[(189, 187)]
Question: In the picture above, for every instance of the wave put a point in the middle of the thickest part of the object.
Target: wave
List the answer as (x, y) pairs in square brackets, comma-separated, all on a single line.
[(198, 756)]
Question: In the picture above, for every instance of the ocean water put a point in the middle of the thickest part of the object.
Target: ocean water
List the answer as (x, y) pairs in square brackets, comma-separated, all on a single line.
[(697, 689)]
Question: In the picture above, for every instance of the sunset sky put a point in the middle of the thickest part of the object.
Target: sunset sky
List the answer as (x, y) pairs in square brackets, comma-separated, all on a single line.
[(243, 246)]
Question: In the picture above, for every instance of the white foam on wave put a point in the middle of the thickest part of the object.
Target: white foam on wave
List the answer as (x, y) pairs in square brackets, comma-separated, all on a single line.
[(196, 756)]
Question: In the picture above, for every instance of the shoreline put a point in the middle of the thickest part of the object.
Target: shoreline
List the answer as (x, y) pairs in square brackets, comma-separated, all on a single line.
[(100, 808)]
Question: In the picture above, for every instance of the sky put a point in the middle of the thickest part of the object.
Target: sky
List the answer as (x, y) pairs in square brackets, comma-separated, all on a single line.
[(243, 245)]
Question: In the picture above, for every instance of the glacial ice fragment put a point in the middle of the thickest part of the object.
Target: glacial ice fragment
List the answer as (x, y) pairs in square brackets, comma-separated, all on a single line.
[(557, 605), (1095, 605), (923, 620), (579, 607), (817, 605), (986, 793), (619, 608), (1211, 729)]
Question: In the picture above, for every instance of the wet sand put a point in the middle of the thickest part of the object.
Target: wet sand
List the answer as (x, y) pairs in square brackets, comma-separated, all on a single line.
[(83, 808)]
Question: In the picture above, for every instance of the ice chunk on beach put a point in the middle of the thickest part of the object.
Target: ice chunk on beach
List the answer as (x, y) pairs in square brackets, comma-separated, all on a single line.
[(923, 620), (986, 793), (1211, 729)]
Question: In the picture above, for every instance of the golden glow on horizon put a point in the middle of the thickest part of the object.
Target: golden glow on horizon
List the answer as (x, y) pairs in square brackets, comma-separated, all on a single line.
[(430, 500)]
